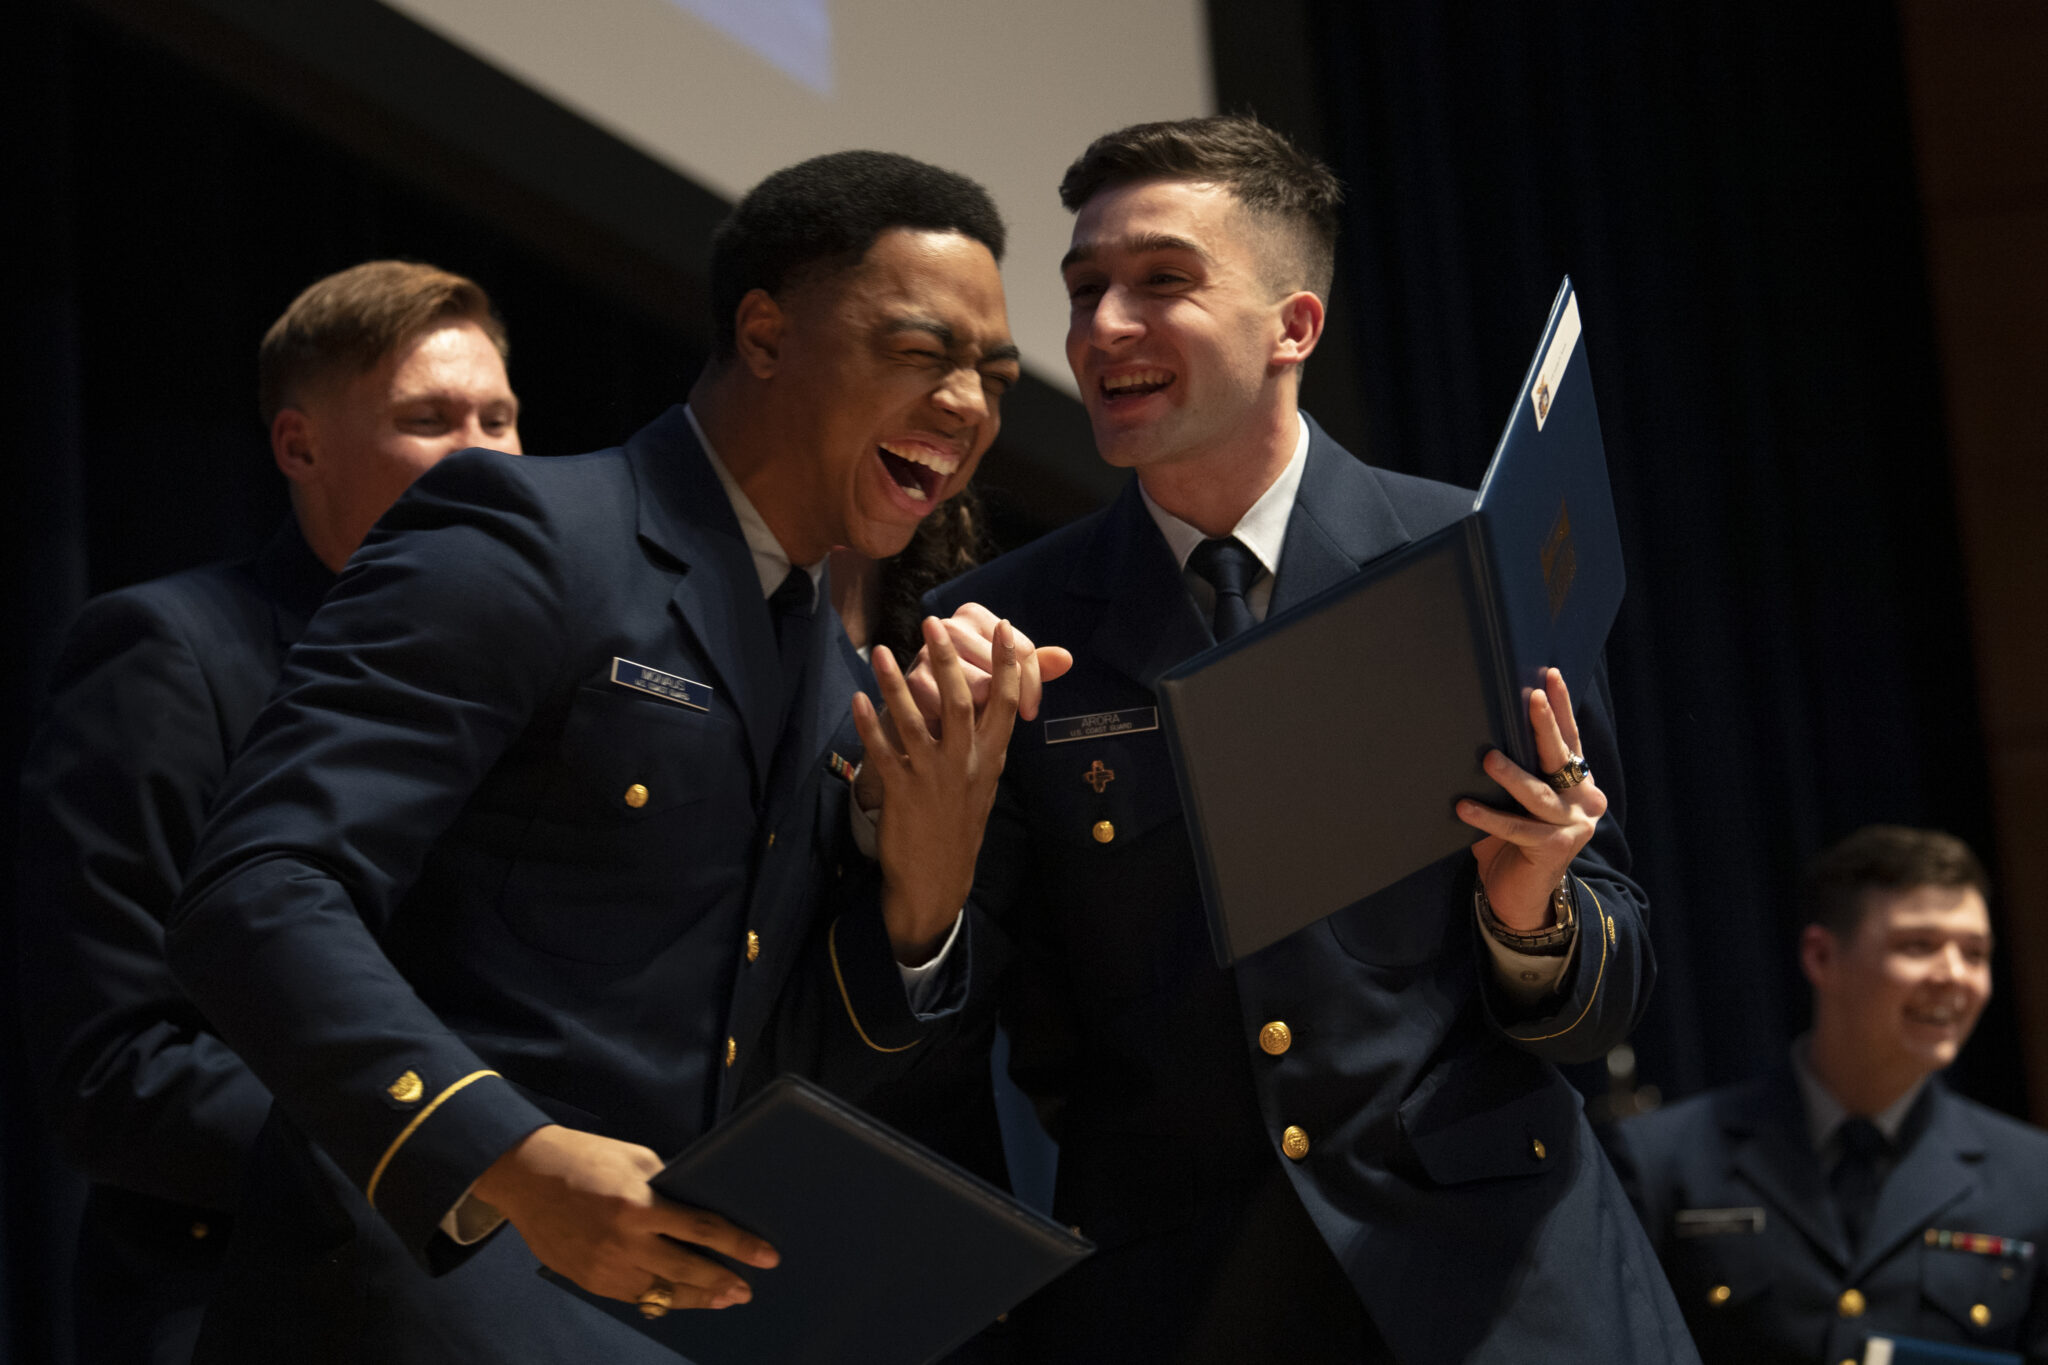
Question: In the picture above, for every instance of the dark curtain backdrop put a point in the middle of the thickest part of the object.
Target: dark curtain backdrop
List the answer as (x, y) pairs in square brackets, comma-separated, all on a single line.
[(1730, 186)]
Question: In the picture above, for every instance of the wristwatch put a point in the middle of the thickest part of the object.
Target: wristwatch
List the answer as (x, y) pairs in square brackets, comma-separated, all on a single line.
[(1550, 941)]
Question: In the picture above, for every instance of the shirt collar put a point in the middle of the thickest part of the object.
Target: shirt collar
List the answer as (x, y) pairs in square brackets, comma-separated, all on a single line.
[(1262, 529), (1825, 1113), (771, 561)]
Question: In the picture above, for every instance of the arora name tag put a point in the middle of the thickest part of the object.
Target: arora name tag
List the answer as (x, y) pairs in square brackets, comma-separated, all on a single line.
[(1101, 725), (668, 686)]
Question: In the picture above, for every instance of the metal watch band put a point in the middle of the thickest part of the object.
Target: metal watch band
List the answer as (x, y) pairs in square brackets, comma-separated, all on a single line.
[(1563, 903)]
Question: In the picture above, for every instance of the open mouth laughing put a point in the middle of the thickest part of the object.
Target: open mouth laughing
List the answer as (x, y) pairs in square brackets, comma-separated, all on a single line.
[(918, 469)]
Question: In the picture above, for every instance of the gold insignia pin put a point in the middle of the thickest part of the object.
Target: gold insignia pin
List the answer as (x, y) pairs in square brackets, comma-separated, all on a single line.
[(1099, 777), (406, 1088)]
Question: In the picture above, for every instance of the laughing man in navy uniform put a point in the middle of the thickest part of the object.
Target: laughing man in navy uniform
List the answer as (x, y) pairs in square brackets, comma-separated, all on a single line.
[(1847, 1192), (370, 376), (539, 859), (1351, 1146)]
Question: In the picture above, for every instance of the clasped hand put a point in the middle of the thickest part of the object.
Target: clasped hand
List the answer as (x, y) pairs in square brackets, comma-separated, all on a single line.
[(1523, 857), (932, 763)]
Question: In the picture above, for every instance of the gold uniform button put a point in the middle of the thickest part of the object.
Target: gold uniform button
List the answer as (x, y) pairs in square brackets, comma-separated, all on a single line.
[(732, 1050), (1294, 1142), (636, 796), (1980, 1315), (1719, 1295), (1850, 1305), (1275, 1038), (1104, 831), (199, 1231), (771, 838), (406, 1088), (1537, 1149), (753, 946)]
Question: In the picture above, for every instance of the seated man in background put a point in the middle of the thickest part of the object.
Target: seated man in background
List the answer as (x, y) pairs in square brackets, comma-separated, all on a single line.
[(368, 378), (1848, 1193), (540, 858)]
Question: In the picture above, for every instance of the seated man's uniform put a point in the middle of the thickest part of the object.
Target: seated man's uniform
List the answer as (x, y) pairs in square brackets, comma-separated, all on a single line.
[(1737, 1189)]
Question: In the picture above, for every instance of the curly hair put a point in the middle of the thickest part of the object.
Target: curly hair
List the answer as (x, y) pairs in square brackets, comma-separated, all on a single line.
[(949, 542), (821, 216)]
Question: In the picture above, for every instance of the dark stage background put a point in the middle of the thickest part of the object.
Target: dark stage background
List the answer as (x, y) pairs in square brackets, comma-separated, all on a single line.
[(1730, 185)]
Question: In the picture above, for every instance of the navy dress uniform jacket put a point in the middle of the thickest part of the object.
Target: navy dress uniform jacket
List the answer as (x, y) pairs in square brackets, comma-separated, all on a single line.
[(153, 690), (1448, 1167), (471, 875), (1761, 1267)]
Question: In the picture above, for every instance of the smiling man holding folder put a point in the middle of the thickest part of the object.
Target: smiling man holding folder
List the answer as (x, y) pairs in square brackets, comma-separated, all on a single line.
[(1352, 1145)]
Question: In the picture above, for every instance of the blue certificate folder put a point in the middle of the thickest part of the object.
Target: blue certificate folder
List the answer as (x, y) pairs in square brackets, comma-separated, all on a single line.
[(890, 1255), (1320, 754)]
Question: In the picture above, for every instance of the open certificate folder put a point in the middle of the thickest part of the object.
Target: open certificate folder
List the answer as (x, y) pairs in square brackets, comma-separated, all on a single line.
[(1320, 754), (890, 1255)]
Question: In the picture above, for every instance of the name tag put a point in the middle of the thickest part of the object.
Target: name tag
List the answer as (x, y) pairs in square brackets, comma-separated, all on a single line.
[(1102, 724), (667, 686), (1716, 1222)]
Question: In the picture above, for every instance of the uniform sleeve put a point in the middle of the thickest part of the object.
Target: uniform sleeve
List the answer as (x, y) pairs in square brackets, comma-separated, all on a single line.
[(140, 1092), (1607, 987), (847, 1018), (428, 658)]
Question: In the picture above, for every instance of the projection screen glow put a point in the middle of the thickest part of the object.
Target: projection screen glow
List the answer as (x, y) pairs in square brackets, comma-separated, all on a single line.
[(725, 91)]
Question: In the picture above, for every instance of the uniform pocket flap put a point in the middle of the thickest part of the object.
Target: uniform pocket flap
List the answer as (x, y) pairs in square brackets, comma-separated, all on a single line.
[(1461, 1129), (636, 756), (1982, 1291)]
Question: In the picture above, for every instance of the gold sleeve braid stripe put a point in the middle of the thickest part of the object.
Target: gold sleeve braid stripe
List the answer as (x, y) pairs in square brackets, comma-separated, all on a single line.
[(1601, 916), (370, 1190), (832, 948)]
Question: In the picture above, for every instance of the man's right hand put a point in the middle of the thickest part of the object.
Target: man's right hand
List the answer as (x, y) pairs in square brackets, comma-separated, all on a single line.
[(583, 1204), (973, 632)]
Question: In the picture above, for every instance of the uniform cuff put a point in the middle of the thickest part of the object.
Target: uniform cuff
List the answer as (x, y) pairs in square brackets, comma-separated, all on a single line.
[(428, 1169)]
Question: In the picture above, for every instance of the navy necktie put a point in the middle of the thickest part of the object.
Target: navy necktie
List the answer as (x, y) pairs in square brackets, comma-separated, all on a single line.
[(1857, 1175), (1230, 568), (789, 607)]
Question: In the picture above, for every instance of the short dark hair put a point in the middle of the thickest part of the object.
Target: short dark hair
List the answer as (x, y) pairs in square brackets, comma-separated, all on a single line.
[(1270, 176), (1883, 858), (819, 217), (347, 323)]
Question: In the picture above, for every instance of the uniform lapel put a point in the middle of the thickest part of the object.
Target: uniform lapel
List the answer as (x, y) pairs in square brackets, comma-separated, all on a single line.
[(1769, 1148), (1934, 1171), (1342, 519), (1149, 622), (685, 514)]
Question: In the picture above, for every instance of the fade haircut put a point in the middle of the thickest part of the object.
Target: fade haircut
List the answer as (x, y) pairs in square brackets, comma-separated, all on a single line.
[(1273, 179), (1889, 858), (818, 218), (346, 324)]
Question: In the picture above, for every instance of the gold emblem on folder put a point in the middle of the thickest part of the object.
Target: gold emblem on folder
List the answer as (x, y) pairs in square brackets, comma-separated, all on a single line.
[(407, 1088), (1560, 560)]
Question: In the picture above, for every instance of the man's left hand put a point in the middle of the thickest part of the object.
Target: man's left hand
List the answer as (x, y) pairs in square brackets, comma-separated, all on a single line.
[(1523, 857), (938, 783)]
